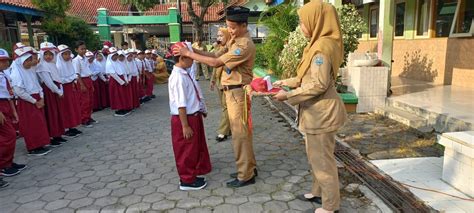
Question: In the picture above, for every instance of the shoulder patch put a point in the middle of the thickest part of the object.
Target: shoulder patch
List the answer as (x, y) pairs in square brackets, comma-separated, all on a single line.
[(237, 51), (319, 60)]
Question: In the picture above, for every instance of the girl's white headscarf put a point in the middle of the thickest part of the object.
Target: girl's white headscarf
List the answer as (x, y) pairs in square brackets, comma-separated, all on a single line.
[(65, 68), (132, 67), (50, 67), (114, 66), (25, 78), (100, 65)]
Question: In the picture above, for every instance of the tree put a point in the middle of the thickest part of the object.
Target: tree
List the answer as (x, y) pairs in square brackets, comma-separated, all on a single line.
[(196, 18), (352, 25), (65, 29)]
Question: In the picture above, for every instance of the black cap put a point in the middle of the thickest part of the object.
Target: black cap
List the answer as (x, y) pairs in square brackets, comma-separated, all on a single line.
[(237, 14)]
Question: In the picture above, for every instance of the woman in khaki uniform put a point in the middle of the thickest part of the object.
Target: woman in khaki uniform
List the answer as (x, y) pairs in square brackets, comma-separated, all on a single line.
[(223, 36), (321, 111), (160, 72)]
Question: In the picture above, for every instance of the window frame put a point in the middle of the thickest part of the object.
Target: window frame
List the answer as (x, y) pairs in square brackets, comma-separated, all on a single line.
[(452, 34), (374, 7), (395, 19), (430, 20)]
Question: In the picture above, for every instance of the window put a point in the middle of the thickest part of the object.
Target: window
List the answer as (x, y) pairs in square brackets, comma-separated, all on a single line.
[(422, 17), (445, 10), (464, 17), (374, 22), (399, 19)]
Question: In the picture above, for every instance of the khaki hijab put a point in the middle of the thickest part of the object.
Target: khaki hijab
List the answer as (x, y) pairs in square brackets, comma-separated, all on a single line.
[(322, 22)]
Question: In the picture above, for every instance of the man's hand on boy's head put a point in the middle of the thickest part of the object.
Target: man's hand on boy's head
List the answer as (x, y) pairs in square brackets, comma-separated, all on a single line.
[(181, 51)]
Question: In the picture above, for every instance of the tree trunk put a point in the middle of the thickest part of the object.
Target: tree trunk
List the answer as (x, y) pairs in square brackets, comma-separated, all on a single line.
[(198, 20)]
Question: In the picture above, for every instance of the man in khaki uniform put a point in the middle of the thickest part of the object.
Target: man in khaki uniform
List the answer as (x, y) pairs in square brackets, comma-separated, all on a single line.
[(223, 130), (238, 62), (198, 45), (321, 110)]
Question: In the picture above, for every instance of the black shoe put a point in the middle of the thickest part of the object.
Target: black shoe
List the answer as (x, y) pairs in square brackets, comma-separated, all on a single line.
[(76, 131), (220, 139), (92, 121), (3, 183), (39, 151), (197, 185), (153, 96), (55, 143), (8, 172), (313, 210), (20, 167), (60, 139), (119, 113), (146, 99), (71, 134), (87, 124), (255, 174), (313, 199), (236, 183)]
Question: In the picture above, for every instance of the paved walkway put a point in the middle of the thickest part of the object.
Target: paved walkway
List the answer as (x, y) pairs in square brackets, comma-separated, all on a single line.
[(127, 164)]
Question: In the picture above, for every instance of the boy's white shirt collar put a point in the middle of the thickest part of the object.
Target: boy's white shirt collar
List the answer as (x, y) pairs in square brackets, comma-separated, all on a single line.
[(182, 70)]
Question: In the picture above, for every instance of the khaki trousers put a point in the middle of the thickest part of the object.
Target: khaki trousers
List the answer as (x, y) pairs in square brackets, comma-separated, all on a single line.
[(200, 67), (241, 137), (224, 125), (320, 151)]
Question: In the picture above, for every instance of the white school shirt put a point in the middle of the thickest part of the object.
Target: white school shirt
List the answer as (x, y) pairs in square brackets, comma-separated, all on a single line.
[(148, 65), (4, 93), (81, 66), (182, 93)]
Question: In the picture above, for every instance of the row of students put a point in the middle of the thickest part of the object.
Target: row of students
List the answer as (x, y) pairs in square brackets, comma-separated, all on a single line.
[(48, 94)]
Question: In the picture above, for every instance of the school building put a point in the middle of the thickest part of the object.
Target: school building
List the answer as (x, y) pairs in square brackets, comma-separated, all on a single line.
[(429, 47), (15, 16)]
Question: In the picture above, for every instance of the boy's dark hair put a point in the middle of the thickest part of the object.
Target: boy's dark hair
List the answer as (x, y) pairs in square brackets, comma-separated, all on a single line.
[(175, 59), (79, 43), (242, 22), (124, 43)]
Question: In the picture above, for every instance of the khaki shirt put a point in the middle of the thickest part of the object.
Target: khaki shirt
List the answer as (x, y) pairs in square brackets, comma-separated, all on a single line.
[(238, 62), (217, 73), (321, 110)]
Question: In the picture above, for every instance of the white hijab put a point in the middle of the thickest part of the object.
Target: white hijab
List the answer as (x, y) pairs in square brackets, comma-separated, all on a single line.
[(50, 67), (116, 67), (25, 78), (132, 67), (65, 68), (100, 65)]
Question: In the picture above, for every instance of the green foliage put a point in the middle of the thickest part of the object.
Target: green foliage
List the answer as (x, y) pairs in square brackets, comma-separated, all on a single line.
[(292, 52), (280, 21), (69, 30), (53, 7), (260, 60), (7, 46), (352, 25), (64, 29)]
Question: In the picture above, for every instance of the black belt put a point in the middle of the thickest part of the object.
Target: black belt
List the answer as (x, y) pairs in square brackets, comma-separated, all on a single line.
[(231, 87)]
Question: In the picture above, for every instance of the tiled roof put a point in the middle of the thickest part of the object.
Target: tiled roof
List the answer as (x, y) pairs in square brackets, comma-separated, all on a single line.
[(19, 3), (87, 9)]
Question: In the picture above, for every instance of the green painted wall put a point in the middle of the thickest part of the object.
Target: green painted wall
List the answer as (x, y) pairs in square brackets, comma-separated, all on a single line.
[(104, 21), (410, 17)]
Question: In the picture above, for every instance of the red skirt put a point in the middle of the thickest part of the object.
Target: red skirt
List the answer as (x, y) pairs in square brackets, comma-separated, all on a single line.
[(120, 96), (104, 94), (142, 86), (150, 81), (53, 112), (7, 136), (135, 92), (33, 125), (70, 106), (96, 102), (191, 155), (86, 98)]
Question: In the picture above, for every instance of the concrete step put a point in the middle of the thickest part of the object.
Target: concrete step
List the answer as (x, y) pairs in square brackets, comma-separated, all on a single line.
[(404, 117), (439, 122)]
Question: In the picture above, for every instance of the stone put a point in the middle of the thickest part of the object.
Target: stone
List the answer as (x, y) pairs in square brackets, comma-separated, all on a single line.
[(57, 204), (75, 204), (163, 205)]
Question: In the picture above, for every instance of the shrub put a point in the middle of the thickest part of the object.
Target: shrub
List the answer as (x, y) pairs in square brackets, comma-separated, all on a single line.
[(352, 25), (292, 52)]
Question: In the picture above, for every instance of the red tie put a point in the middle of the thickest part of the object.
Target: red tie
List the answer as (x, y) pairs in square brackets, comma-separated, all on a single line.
[(195, 88), (9, 88)]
